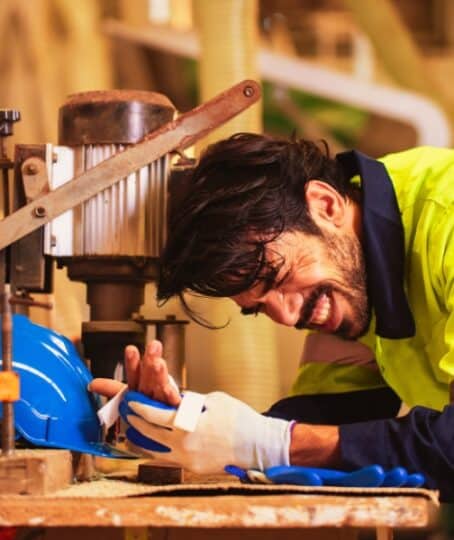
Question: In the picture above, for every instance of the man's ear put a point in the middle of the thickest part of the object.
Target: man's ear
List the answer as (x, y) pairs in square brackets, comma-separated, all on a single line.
[(325, 205)]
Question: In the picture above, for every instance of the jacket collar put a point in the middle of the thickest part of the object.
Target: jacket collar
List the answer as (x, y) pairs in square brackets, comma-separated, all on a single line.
[(384, 245)]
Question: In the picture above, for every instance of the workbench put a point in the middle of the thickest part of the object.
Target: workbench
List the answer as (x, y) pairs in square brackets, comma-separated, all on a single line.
[(198, 505)]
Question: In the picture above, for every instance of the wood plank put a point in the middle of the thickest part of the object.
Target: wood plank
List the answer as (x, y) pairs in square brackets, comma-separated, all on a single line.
[(252, 511), (35, 472)]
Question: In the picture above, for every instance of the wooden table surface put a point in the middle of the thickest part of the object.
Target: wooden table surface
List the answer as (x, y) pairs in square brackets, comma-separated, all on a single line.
[(121, 503)]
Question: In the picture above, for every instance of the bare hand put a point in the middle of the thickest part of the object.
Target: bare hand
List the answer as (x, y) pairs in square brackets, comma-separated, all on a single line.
[(148, 375)]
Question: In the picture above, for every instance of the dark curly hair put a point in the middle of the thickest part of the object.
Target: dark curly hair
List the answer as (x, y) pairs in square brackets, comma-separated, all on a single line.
[(245, 191)]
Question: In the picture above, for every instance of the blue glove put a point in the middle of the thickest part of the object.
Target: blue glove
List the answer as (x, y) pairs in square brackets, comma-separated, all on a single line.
[(371, 476)]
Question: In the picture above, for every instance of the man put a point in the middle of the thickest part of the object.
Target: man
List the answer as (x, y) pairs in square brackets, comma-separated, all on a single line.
[(358, 248)]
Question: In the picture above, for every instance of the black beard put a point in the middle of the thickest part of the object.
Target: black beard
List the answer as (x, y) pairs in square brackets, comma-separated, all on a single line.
[(347, 255)]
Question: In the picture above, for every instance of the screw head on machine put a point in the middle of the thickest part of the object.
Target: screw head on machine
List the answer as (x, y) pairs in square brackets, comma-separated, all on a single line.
[(40, 212), (248, 91)]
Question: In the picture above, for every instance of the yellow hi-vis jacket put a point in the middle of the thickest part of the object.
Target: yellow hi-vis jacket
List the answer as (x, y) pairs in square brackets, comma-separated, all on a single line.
[(419, 368)]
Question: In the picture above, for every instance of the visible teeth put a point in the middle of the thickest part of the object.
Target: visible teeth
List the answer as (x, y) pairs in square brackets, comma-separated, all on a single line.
[(322, 310)]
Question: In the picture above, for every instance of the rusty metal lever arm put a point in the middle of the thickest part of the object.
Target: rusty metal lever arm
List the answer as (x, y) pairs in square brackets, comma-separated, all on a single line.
[(176, 135)]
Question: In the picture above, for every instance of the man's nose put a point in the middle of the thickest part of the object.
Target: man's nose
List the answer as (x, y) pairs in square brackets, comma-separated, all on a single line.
[(284, 308)]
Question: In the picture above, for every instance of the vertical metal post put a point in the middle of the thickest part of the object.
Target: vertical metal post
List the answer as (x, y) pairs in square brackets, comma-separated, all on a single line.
[(7, 361)]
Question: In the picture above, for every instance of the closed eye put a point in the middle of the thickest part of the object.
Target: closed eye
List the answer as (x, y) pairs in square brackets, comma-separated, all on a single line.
[(254, 310), (282, 281)]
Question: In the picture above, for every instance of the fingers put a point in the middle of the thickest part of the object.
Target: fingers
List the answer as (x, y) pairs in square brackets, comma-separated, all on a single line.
[(153, 412), (153, 431), (156, 348), (105, 387), (154, 371), (132, 364), (149, 376), (154, 376)]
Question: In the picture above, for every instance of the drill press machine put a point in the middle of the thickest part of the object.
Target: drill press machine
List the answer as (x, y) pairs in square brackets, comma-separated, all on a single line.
[(97, 203)]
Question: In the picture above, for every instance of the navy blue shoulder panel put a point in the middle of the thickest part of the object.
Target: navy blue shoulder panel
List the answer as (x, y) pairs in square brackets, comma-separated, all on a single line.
[(384, 245)]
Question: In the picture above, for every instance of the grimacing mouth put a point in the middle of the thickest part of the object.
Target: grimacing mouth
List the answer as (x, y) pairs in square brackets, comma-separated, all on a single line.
[(310, 304)]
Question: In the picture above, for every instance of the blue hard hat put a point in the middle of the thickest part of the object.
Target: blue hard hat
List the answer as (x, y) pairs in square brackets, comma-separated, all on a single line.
[(55, 408)]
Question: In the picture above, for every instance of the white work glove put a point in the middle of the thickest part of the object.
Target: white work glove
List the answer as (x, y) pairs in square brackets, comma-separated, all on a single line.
[(218, 430)]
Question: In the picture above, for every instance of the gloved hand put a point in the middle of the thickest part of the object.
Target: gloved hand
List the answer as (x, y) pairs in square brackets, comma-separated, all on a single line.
[(227, 432)]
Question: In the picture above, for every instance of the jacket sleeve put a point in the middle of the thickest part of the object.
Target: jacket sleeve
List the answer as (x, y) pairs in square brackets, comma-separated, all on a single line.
[(422, 441)]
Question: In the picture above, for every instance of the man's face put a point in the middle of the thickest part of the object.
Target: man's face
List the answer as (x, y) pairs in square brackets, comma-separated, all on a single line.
[(321, 285)]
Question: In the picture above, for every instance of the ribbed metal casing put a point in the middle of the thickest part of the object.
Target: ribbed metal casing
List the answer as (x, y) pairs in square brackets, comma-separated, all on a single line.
[(128, 219)]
